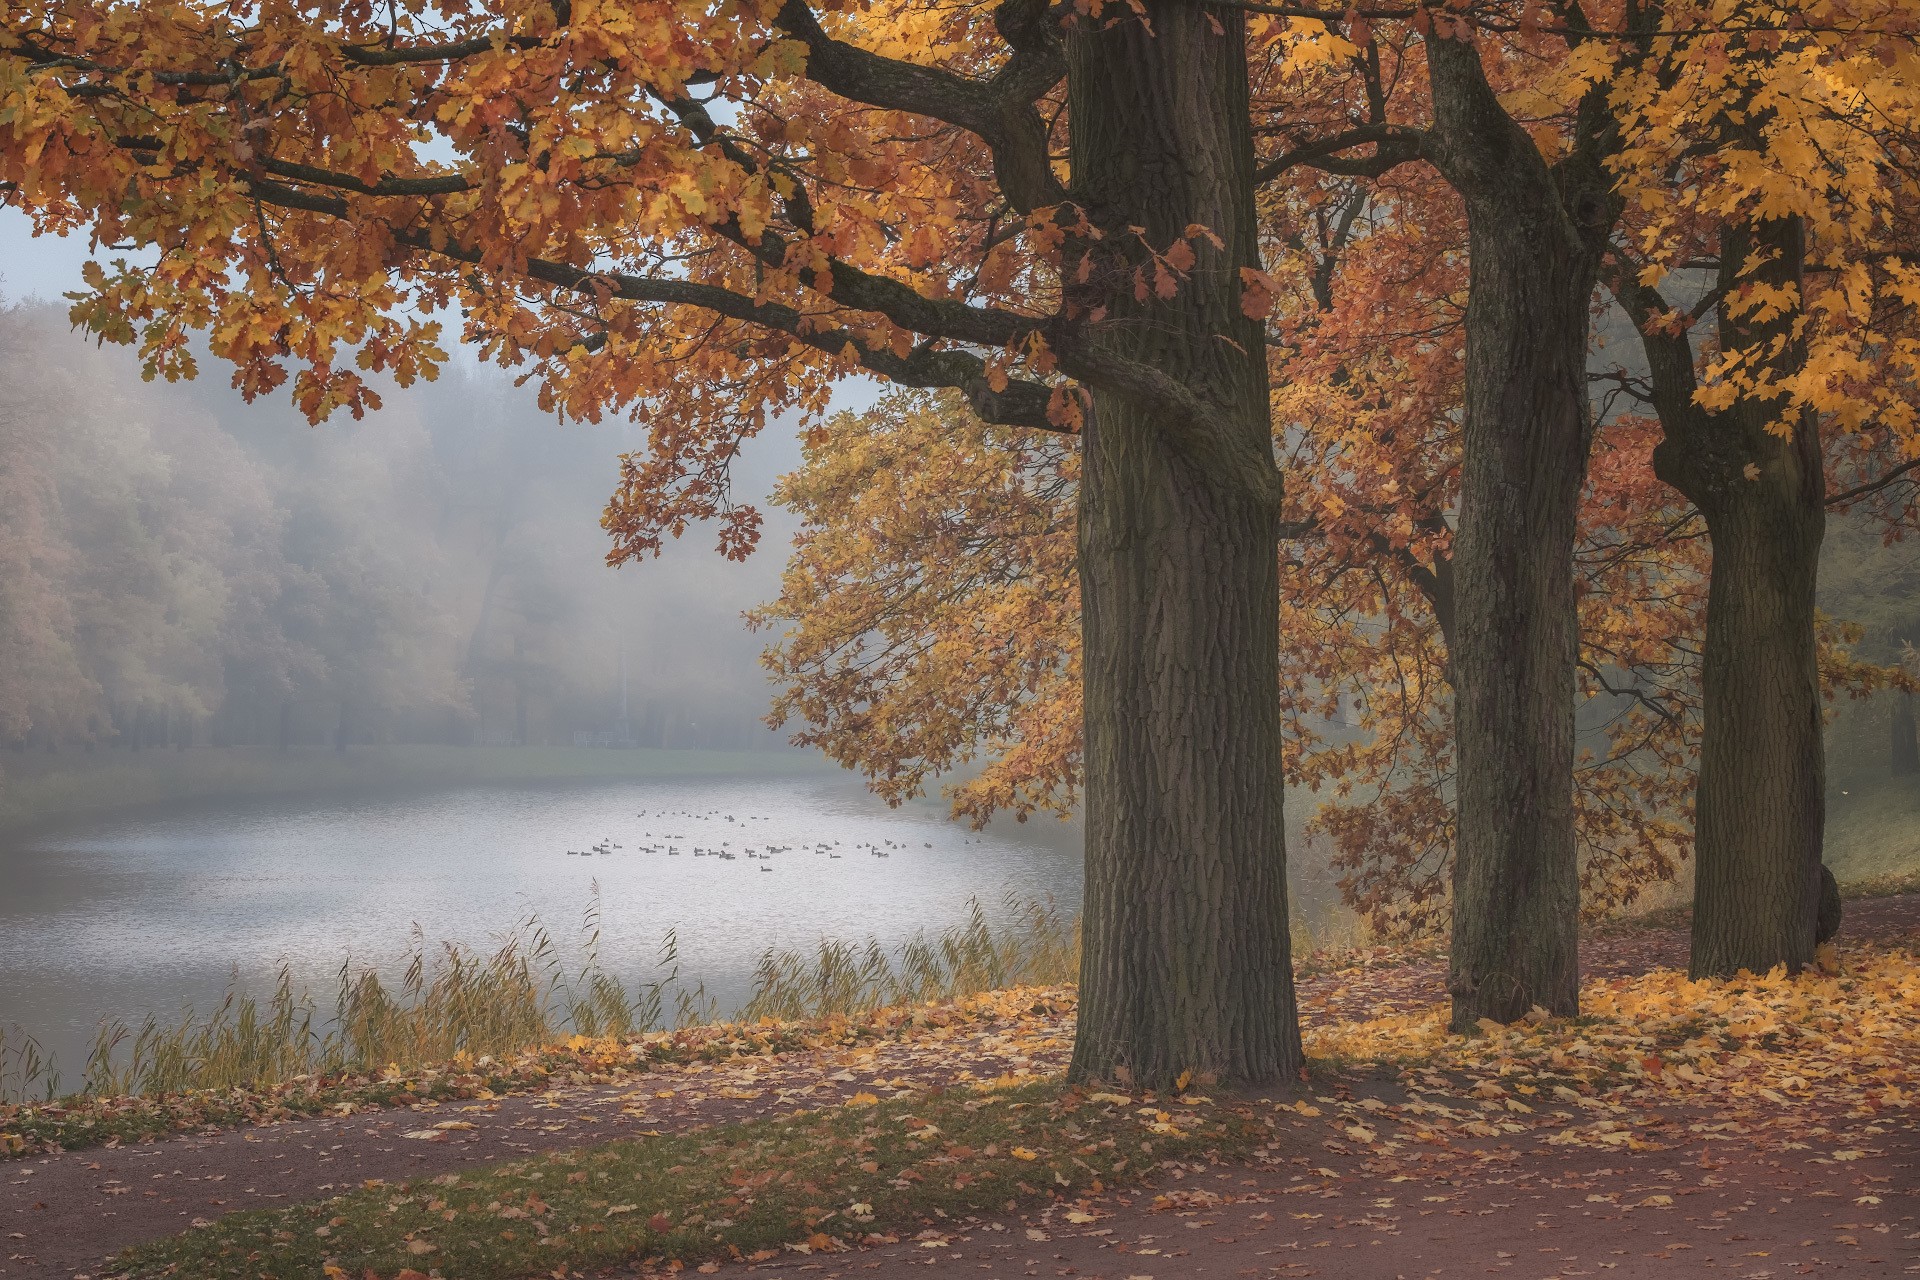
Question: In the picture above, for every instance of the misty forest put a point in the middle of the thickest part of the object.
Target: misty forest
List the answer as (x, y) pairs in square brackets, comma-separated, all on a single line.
[(1111, 638), (184, 569)]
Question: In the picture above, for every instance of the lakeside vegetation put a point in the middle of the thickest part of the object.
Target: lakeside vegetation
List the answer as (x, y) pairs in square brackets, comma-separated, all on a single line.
[(457, 1018), (37, 788), (458, 1011), (937, 1161)]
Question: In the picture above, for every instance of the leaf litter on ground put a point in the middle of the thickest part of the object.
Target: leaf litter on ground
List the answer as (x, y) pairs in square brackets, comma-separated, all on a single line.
[(823, 1181), (1833, 1051)]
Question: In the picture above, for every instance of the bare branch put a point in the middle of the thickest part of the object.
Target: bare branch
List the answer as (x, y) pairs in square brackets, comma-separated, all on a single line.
[(1872, 486)]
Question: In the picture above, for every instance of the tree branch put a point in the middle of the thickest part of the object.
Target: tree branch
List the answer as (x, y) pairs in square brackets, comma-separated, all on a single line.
[(1000, 112), (1395, 145), (1309, 12), (1191, 420), (1638, 695), (849, 286), (1020, 403), (1872, 486)]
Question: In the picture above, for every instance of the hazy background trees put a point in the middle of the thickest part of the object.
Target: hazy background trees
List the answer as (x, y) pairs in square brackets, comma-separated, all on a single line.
[(179, 568)]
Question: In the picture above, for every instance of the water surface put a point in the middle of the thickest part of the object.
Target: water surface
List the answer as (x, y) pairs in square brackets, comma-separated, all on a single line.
[(121, 916)]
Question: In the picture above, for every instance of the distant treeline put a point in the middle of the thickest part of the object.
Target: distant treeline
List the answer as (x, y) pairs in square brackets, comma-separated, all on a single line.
[(179, 568)]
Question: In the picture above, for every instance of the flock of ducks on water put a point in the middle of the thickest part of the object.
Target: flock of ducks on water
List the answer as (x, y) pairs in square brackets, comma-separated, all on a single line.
[(726, 852)]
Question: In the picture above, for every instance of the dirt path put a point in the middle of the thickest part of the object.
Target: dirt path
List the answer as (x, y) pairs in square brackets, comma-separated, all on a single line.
[(61, 1214), (1704, 1204), (1815, 1190)]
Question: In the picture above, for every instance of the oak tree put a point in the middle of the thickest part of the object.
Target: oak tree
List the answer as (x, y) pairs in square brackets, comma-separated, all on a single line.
[(1777, 206), (706, 215)]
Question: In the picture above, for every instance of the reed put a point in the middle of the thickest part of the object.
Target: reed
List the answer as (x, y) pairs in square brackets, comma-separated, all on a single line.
[(26, 1071), (454, 1003), (1036, 945)]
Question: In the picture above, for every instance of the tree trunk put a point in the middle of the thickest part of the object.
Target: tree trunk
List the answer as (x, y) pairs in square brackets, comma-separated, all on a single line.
[(1516, 888), (1760, 799), (1534, 238), (1185, 964), (1904, 756)]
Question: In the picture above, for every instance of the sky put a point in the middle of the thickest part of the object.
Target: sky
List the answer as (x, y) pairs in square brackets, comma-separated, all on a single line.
[(30, 266)]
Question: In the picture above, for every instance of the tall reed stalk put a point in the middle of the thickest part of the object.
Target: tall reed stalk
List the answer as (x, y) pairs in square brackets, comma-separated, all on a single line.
[(455, 1004)]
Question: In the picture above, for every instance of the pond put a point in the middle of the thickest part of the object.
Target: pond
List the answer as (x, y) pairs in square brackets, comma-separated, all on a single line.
[(119, 917)]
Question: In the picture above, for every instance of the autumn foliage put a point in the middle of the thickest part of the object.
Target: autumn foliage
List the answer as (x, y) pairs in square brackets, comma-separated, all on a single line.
[(1187, 240), (931, 602)]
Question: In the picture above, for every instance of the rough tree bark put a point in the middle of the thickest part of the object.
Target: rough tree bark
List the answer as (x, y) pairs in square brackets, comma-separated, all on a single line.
[(1760, 803), (1760, 797), (1185, 964), (1535, 235)]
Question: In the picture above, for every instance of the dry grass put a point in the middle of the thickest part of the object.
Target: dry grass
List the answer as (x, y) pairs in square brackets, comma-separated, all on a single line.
[(453, 1003), (1035, 947)]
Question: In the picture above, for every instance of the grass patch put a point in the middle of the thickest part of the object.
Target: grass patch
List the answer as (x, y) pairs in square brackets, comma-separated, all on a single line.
[(1873, 829), (817, 1182), (1892, 884), (460, 1025)]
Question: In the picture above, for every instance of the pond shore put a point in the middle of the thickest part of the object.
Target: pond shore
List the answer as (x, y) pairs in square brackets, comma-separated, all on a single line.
[(37, 788)]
